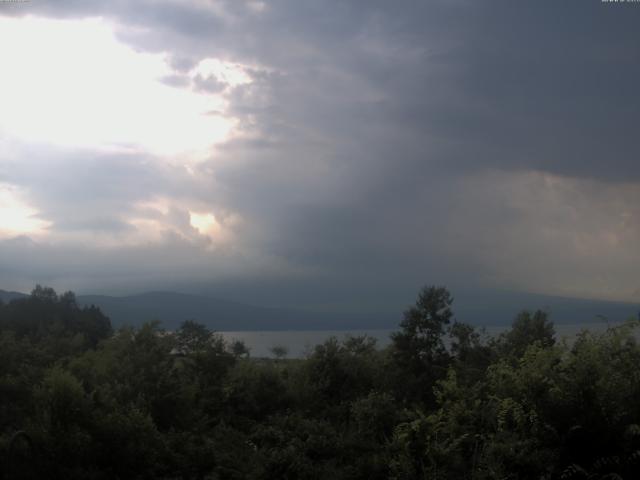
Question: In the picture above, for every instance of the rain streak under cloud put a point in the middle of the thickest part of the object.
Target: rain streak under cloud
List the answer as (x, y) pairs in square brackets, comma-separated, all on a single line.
[(320, 154)]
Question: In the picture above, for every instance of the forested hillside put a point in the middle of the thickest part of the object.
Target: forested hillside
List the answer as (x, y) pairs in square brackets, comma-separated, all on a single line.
[(81, 401)]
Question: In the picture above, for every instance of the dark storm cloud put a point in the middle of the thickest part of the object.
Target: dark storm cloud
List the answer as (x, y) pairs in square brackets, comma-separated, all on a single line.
[(555, 85), (370, 131), (544, 85)]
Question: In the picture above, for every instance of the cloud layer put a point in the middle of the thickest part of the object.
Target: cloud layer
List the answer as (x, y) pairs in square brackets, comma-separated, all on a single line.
[(368, 150)]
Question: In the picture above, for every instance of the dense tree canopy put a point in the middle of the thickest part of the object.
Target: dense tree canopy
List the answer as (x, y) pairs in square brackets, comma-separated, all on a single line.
[(78, 401)]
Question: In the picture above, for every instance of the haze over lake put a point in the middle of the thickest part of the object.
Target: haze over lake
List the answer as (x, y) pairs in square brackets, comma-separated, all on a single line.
[(299, 344)]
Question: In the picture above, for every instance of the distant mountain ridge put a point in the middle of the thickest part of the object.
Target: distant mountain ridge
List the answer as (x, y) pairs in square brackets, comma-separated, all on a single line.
[(6, 296), (486, 309), (173, 308)]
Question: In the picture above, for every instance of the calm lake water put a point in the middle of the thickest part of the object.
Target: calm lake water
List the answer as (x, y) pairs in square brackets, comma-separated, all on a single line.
[(301, 342)]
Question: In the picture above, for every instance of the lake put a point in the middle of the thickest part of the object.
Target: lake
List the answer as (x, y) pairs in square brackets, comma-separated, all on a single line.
[(301, 342)]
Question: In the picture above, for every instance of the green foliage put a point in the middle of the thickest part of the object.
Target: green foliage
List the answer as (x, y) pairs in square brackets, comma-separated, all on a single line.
[(67, 328), (78, 401), (418, 349), (424, 325), (61, 400), (279, 351), (256, 391), (339, 372), (526, 330)]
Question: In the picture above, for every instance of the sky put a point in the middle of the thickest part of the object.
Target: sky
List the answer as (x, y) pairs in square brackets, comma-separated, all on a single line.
[(330, 155)]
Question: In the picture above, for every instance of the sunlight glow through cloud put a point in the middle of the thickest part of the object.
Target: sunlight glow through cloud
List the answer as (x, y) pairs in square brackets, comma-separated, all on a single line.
[(71, 83), (16, 217), (228, 73), (205, 223)]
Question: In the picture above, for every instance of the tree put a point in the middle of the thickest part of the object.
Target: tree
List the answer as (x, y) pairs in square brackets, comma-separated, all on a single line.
[(279, 351), (45, 294), (240, 349), (463, 339), (193, 337), (528, 328), (424, 324), (471, 355), (418, 349)]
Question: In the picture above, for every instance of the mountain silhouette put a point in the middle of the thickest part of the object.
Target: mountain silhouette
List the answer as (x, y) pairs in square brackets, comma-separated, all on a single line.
[(488, 308)]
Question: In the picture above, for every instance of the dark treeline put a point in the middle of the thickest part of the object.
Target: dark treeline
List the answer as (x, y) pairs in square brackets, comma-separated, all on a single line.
[(79, 401)]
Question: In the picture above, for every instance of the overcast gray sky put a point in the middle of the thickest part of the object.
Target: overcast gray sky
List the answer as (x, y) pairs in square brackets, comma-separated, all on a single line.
[(329, 154)]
